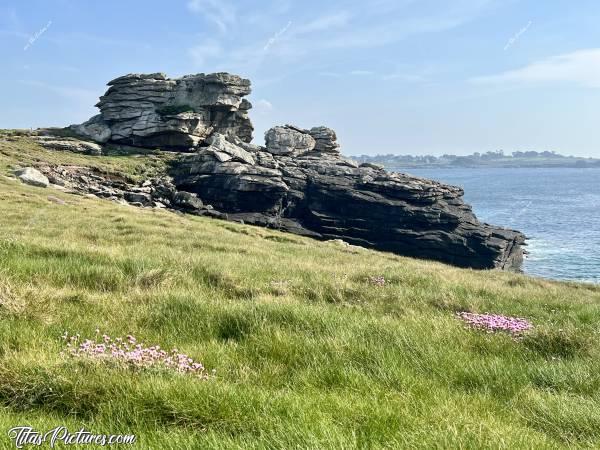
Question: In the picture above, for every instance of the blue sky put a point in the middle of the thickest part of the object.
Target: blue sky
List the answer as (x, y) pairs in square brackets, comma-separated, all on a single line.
[(390, 76)]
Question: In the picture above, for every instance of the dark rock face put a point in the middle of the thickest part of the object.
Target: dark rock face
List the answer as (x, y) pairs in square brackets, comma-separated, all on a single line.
[(298, 182), (174, 114), (296, 187)]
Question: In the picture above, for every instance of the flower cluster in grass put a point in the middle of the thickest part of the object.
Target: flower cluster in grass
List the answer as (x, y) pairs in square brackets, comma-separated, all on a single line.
[(130, 353), (495, 322), (377, 281)]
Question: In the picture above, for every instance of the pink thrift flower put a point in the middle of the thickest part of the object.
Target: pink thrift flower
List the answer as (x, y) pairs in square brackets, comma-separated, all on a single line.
[(139, 357), (494, 322)]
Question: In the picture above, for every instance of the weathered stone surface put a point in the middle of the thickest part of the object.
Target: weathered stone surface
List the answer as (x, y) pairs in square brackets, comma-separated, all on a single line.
[(319, 193), (155, 192), (288, 140), (173, 114), (69, 145), (298, 182), (187, 200), (372, 166), (32, 176), (227, 151), (95, 129), (326, 139), (138, 197)]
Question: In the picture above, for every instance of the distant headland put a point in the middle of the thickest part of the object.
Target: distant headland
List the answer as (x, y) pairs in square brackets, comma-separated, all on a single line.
[(497, 159)]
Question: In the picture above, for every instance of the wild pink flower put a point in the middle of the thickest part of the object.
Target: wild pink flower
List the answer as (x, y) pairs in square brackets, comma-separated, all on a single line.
[(377, 281), (140, 356), (494, 322)]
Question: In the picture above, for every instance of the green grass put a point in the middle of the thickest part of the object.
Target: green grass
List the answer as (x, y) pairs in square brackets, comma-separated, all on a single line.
[(308, 354), (16, 148)]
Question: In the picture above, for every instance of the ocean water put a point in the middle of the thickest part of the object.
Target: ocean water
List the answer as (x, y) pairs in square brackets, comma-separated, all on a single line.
[(557, 209)]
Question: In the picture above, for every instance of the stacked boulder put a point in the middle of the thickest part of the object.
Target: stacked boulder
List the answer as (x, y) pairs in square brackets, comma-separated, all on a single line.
[(294, 141), (325, 140)]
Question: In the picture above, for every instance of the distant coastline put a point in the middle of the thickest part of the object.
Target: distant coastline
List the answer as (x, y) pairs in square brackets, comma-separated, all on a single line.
[(526, 159)]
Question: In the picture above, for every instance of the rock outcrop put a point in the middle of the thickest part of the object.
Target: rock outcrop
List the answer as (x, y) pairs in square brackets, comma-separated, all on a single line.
[(294, 185), (173, 114), (298, 182)]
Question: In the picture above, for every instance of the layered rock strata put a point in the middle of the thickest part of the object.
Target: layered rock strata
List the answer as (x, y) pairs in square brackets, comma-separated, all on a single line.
[(173, 114), (298, 182)]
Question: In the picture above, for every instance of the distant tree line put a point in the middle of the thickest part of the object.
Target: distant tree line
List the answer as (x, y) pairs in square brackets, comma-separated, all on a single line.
[(528, 158)]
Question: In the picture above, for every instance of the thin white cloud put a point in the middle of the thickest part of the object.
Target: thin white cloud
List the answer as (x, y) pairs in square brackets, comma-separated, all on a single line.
[(371, 27), (263, 106), (581, 67), (388, 33), (16, 34), (70, 39), (401, 76), (10, 24), (411, 78), (83, 96), (204, 52), (13, 18), (326, 23), (330, 74), (51, 67), (9, 19), (220, 12), (353, 26)]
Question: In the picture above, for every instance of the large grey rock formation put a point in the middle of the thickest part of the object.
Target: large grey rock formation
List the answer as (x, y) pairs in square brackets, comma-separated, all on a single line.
[(174, 114), (298, 182), (317, 192)]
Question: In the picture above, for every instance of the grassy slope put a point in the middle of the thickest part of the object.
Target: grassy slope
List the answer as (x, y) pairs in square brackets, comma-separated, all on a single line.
[(308, 354)]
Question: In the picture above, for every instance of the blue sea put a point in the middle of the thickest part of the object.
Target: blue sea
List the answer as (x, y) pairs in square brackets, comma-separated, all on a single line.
[(557, 209)]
